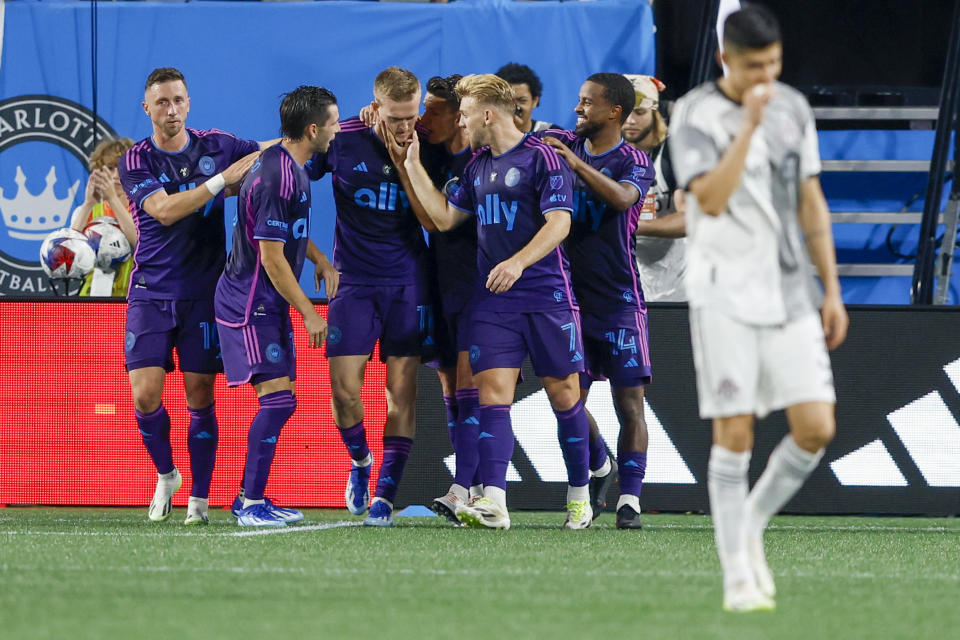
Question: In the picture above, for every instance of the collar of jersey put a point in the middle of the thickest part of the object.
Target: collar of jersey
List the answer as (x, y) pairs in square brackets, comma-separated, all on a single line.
[(522, 140), (174, 153), (600, 155)]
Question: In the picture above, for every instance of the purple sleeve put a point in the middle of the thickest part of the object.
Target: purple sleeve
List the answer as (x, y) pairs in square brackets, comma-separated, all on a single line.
[(318, 165), (460, 195), (555, 184), (235, 147), (564, 136), (137, 179), (637, 169), (272, 201)]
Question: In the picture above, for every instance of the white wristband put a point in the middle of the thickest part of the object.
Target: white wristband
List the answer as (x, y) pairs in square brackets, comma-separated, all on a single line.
[(215, 184)]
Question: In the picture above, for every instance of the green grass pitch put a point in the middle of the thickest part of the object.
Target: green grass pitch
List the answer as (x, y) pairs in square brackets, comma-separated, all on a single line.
[(109, 573)]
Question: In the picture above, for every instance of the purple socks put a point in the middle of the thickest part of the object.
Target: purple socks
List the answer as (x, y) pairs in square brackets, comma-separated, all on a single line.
[(468, 429), (573, 430), (598, 452), (495, 444), (396, 450), (155, 430), (275, 409), (451, 405), (202, 444), (356, 440), (633, 465)]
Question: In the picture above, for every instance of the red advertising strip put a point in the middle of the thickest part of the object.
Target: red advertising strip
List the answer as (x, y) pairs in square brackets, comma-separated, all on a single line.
[(68, 435)]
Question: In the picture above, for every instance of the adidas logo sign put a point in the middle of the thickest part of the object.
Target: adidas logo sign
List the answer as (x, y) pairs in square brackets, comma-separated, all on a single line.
[(577, 357), (632, 362), (361, 167)]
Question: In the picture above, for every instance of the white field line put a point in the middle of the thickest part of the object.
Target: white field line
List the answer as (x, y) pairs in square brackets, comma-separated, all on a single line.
[(183, 534)]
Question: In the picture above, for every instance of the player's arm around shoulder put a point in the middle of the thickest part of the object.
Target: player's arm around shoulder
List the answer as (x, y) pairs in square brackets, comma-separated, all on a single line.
[(814, 219)]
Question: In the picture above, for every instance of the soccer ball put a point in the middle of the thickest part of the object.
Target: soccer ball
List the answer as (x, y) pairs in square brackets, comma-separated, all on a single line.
[(109, 243), (65, 253)]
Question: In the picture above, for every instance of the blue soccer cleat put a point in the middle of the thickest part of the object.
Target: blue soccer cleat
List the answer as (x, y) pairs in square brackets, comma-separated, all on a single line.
[(357, 494), (381, 514), (287, 515), (258, 515)]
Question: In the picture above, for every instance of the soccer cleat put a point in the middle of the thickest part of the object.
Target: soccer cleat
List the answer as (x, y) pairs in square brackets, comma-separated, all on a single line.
[(745, 597), (258, 515), (627, 518), (381, 514), (579, 515), (599, 488), (197, 511), (446, 506), (758, 564), (287, 515), (484, 512), (357, 494), (160, 506)]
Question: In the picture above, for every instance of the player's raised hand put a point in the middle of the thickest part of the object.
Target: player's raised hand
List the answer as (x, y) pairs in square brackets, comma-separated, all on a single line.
[(562, 150), (316, 328), (235, 172), (755, 101), (835, 321), (413, 147), (369, 115), (398, 152), (504, 275)]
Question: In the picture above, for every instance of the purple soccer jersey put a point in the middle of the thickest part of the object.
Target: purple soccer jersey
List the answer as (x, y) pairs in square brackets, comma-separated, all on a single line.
[(274, 204), (601, 245), (509, 195), (378, 240), (181, 261)]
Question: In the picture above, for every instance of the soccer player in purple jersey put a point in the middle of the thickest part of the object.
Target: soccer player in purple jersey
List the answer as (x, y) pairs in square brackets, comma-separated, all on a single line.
[(261, 281), (613, 178), (174, 180), (379, 250), (520, 194), (452, 260)]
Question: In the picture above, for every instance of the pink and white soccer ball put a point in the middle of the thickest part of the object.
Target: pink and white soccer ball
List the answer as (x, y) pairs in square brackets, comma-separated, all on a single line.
[(65, 253), (109, 243)]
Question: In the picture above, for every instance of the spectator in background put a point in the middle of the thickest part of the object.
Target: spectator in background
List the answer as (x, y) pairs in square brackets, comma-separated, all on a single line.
[(527, 89), (661, 230), (105, 198)]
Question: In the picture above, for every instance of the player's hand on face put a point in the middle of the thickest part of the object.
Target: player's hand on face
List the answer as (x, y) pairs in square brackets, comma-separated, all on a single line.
[(235, 172), (397, 152), (562, 150), (413, 149), (755, 101), (504, 275), (316, 328), (369, 115), (835, 321)]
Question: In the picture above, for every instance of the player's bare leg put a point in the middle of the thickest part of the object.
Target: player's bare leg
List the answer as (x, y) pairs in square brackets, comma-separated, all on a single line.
[(812, 427), (631, 453), (574, 434), (346, 381)]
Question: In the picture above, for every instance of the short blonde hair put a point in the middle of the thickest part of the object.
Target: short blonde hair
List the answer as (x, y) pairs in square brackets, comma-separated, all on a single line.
[(488, 89), (396, 84), (108, 153)]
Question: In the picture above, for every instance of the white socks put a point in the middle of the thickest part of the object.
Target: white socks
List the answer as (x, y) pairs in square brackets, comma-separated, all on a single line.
[(460, 492), (626, 498), (498, 495), (604, 470), (727, 486), (787, 470), (578, 494)]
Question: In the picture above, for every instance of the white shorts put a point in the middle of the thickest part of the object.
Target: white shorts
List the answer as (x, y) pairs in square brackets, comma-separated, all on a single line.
[(747, 369)]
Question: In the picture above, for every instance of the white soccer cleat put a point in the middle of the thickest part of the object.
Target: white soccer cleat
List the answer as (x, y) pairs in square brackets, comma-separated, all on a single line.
[(579, 515), (167, 485), (745, 597), (484, 512), (446, 506), (758, 564), (197, 511)]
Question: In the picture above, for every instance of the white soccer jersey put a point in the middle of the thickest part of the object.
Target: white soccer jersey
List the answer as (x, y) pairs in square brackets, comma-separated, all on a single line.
[(750, 261)]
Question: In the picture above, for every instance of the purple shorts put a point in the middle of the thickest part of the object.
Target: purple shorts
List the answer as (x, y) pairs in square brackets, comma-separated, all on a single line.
[(259, 351), (451, 333), (156, 327), (502, 339), (360, 315), (617, 348)]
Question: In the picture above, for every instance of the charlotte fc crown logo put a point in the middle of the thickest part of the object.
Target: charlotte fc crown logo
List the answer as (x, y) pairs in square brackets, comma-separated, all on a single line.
[(30, 217), (41, 138)]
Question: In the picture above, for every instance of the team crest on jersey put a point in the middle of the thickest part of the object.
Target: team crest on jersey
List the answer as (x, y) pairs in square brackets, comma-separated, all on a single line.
[(512, 177), (474, 353), (556, 182), (334, 334), (207, 166), (130, 341), (274, 352), (558, 295), (40, 184)]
